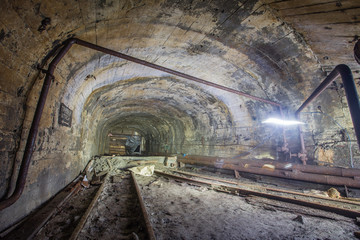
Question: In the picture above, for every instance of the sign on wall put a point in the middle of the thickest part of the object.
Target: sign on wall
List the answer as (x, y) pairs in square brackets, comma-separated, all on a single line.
[(65, 115)]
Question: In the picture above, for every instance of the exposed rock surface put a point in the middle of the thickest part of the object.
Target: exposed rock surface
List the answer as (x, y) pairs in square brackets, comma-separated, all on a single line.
[(276, 50)]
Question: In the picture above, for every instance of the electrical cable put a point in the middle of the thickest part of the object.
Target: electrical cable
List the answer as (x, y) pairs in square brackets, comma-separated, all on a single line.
[(341, 127)]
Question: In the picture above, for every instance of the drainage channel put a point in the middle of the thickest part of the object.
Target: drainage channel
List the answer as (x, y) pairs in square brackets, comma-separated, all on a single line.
[(116, 212)]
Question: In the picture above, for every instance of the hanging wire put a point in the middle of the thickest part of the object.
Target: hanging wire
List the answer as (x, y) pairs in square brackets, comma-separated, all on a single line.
[(342, 128)]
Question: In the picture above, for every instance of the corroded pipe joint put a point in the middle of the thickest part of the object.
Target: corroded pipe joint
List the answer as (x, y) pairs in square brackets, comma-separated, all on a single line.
[(303, 157)]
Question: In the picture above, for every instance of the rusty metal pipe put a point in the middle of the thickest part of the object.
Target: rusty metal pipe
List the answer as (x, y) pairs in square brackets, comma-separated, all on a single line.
[(30, 144), (284, 148), (220, 187), (173, 72), (351, 96), (332, 171), (294, 175), (264, 188), (303, 152)]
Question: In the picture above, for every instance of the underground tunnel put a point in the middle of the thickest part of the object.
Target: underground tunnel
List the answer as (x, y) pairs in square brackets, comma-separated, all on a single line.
[(150, 117)]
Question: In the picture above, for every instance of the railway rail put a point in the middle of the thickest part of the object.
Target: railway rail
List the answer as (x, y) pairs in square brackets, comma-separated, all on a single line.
[(117, 208), (342, 207)]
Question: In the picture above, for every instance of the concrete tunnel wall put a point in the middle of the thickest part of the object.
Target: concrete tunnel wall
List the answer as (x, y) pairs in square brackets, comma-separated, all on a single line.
[(238, 44)]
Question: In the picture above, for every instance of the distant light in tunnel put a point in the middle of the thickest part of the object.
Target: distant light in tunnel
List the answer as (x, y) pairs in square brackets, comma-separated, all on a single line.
[(282, 121)]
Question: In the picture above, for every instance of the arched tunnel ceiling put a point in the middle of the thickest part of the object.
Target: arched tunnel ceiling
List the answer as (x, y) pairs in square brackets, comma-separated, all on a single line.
[(249, 34), (245, 34), (244, 45), (241, 45), (108, 72), (164, 109)]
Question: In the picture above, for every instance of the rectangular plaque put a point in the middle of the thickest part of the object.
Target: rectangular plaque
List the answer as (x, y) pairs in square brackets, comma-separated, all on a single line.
[(65, 115)]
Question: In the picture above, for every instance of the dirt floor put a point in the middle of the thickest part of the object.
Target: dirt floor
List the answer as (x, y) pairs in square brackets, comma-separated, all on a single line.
[(63, 223), (117, 213), (182, 211)]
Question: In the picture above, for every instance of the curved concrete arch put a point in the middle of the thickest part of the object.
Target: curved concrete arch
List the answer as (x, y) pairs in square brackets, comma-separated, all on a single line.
[(185, 116)]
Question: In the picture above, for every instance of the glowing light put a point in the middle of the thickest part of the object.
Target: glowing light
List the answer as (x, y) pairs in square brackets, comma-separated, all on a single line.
[(282, 122), (289, 165)]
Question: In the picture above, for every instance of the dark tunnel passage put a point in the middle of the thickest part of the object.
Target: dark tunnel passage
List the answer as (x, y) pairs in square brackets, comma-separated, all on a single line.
[(175, 116)]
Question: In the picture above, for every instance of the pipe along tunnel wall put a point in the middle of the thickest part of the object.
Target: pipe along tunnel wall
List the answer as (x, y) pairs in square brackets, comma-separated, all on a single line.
[(93, 94)]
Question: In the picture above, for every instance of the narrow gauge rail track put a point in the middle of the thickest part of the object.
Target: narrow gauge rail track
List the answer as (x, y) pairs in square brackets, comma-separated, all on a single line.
[(339, 206), (116, 212)]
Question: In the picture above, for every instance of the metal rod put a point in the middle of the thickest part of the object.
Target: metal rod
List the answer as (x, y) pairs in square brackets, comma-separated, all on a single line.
[(149, 228), (294, 174), (284, 148), (83, 219), (333, 171), (31, 226), (303, 153), (351, 96), (329, 208), (30, 144), (173, 72), (262, 188)]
